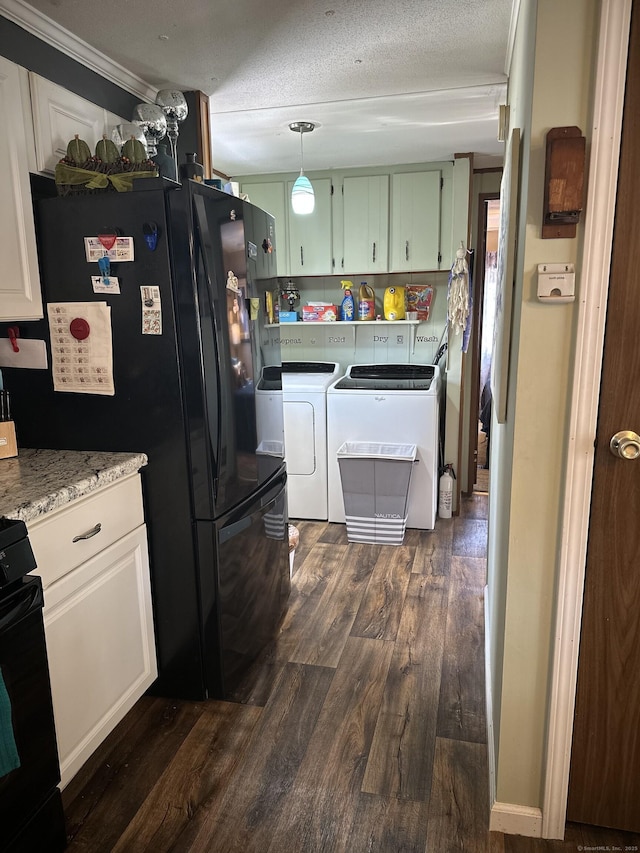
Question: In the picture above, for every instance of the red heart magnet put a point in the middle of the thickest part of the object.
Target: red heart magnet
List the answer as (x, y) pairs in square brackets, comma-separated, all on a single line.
[(107, 240)]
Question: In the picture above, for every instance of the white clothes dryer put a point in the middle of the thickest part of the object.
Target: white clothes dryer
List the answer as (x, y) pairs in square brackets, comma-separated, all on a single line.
[(388, 403), (304, 397), (291, 407)]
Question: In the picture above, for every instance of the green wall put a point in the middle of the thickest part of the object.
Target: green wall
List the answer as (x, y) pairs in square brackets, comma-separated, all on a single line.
[(550, 86)]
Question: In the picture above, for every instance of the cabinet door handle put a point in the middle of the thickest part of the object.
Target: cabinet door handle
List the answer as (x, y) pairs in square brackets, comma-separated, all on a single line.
[(94, 530), (301, 257), (406, 251), (373, 255)]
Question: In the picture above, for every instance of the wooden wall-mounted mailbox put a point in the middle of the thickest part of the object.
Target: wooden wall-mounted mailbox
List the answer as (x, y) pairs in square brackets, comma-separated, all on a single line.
[(563, 182)]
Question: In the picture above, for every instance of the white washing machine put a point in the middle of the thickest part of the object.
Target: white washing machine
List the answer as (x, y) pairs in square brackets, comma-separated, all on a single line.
[(304, 398), (389, 403), (293, 400), (269, 420)]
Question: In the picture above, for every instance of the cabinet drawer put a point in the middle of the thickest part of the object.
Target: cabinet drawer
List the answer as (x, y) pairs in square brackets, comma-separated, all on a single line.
[(116, 508)]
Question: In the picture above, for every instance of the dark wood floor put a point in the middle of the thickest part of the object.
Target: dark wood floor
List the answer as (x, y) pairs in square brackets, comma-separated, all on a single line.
[(364, 731)]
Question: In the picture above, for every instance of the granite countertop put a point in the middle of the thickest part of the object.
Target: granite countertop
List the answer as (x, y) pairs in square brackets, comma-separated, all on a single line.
[(38, 481)]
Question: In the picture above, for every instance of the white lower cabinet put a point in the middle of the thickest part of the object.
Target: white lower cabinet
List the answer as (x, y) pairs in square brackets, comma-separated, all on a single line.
[(99, 628)]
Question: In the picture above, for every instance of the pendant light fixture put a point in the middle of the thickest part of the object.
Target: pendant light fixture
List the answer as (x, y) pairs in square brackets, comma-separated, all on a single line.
[(302, 197)]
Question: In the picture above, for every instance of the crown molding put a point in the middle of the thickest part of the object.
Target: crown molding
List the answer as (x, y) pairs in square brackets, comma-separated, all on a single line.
[(47, 30)]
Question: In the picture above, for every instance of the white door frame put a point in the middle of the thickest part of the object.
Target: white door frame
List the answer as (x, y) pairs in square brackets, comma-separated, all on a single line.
[(600, 212)]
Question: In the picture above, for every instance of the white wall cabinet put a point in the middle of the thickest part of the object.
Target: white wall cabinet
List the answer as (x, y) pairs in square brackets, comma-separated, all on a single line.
[(39, 118), (415, 221), (58, 115), (97, 615), (366, 224), (20, 296), (310, 243), (372, 224), (271, 197), (303, 243)]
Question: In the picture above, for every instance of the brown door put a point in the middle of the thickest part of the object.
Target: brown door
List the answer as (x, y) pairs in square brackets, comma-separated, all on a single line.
[(604, 786)]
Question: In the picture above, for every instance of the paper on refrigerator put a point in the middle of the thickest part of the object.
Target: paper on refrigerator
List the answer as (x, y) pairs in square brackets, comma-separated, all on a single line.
[(84, 365)]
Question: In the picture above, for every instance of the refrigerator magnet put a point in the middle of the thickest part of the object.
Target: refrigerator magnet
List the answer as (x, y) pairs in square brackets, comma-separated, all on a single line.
[(151, 310), (105, 284), (254, 308), (121, 250), (150, 231)]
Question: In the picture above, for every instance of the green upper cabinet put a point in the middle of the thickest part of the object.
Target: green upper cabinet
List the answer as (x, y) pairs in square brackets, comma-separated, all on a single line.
[(310, 244), (415, 221), (366, 224), (271, 198)]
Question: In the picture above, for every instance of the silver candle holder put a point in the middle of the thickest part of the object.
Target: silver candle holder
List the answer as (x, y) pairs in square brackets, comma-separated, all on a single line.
[(175, 108), (150, 118)]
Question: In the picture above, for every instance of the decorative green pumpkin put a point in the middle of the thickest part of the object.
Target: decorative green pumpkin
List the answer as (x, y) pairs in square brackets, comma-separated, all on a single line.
[(107, 151), (134, 150), (78, 151)]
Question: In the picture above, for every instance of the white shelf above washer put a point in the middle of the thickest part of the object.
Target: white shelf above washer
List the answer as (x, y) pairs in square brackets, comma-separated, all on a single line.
[(355, 325)]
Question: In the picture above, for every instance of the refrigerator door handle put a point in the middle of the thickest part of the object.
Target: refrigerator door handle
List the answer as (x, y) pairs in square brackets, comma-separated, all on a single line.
[(205, 248)]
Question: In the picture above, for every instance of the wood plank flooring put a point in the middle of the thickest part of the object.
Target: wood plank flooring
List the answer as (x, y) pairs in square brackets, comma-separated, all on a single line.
[(362, 728)]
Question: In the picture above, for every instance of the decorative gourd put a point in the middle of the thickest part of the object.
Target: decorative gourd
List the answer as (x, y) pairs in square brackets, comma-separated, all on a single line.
[(107, 151), (134, 150), (78, 151)]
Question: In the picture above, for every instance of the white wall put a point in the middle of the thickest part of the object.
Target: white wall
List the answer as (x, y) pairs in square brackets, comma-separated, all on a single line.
[(550, 86)]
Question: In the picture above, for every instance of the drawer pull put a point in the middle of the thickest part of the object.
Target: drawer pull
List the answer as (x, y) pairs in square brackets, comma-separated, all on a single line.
[(88, 534)]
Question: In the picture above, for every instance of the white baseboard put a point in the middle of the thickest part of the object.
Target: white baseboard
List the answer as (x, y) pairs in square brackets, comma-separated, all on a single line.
[(504, 817), (516, 820)]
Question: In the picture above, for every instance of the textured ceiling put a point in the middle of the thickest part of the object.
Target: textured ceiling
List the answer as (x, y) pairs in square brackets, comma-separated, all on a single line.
[(388, 82)]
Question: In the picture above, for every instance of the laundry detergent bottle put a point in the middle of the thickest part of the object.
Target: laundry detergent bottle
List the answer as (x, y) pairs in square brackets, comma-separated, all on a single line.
[(394, 303), (347, 307)]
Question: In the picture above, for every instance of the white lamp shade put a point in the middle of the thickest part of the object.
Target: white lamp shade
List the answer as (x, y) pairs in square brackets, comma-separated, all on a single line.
[(303, 199)]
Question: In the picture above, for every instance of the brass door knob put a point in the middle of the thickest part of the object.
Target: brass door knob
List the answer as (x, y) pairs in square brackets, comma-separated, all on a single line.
[(625, 444)]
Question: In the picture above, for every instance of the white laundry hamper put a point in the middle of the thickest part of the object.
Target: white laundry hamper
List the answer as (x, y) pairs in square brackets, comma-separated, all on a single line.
[(375, 489)]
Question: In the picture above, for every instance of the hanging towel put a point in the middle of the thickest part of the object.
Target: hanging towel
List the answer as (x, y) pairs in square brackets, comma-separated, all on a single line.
[(9, 758), (458, 293), (466, 335)]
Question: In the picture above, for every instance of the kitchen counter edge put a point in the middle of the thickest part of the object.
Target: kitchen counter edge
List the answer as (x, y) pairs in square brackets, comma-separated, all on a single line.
[(37, 482)]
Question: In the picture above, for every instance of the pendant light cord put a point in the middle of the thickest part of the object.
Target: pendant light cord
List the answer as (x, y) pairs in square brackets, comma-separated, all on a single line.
[(301, 155)]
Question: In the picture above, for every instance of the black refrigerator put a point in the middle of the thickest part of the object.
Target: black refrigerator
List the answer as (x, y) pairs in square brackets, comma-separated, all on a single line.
[(189, 340)]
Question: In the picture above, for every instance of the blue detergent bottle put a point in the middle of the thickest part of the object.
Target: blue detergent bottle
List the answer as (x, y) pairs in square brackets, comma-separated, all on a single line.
[(347, 307)]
